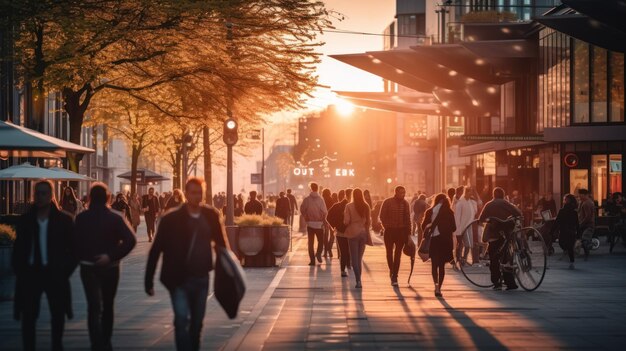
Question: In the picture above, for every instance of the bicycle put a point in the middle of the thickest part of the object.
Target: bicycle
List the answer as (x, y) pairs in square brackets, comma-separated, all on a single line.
[(523, 252)]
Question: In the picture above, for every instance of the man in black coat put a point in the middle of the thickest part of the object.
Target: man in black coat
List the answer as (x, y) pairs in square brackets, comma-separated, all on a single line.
[(283, 207), (294, 206), (102, 239), (43, 261), (253, 206), (151, 209), (184, 238)]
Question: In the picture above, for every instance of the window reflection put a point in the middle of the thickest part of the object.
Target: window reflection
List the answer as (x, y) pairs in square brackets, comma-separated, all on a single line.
[(617, 87), (615, 173), (598, 176), (581, 82), (599, 69)]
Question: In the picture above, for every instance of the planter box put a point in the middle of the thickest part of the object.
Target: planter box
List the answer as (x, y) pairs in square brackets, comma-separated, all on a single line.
[(7, 277), (280, 239), (232, 232)]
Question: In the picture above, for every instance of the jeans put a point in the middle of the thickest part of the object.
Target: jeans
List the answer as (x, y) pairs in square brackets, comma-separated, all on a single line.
[(395, 238), (35, 283), (344, 252), (313, 233), (100, 285), (357, 248), (189, 304), (329, 240)]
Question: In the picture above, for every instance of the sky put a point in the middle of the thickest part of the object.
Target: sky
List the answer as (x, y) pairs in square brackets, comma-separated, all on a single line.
[(369, 16)]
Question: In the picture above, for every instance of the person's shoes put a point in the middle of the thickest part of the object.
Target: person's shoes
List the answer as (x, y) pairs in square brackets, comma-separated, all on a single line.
[(394, 281), (571, 266), (311, 263), (512, 287), (344, 274), (497, 287), (319, 257), (438, 293), (358, 285)]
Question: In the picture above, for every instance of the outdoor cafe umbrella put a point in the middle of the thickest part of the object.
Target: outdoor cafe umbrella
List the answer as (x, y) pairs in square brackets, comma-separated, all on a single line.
[(18, 141), (26, 171)]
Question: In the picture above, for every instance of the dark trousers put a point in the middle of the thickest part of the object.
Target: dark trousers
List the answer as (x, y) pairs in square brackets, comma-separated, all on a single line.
[(395, 238), (100, 284), (344, 252), (312, 234), (150, 221), (35, 283), (329, 240), (189, 304), (495, 253)]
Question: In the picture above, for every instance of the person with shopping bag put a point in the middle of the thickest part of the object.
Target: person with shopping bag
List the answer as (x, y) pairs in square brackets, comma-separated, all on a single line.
[(184, 238), (439, 226)]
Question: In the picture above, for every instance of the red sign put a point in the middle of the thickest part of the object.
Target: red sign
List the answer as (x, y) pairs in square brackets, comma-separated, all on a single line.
[(570, 160)]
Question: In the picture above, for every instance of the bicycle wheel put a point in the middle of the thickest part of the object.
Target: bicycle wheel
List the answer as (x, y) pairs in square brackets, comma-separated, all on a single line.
[(477, 272), (530, 258)]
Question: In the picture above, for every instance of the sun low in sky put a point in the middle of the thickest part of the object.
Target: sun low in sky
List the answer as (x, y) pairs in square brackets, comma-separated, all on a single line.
[(367, 16)]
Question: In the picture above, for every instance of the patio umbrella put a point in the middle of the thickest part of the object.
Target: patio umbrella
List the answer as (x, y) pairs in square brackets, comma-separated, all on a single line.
[(18, 141), (26, 171), (149, 176)]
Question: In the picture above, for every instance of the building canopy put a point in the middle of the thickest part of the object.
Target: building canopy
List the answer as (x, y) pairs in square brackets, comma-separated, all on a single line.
[(18, 141)]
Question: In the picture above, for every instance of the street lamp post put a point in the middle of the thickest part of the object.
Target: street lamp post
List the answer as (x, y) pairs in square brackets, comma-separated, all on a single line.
[(230, 138)]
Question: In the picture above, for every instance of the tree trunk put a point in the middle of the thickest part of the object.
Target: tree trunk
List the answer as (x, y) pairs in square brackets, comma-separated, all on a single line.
[(76, 114), (206, 147), (134, 160), (177, 171)]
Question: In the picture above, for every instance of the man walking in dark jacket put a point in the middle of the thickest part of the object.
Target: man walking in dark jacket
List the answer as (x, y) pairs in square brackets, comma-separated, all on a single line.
[(184, 238), (151, 209), (294, 206), (501, 209), (335, 219), (395, 216), (253, 206), (283, 207), (102, 239), (43, 261)]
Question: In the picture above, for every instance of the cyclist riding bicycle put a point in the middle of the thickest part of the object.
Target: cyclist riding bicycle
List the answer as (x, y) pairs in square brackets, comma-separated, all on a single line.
[(500, 209)]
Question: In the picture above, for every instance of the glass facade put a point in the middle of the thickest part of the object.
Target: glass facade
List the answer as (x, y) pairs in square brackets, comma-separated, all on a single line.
[(554, 80), (599, 73), (579, 80), (616, 67)]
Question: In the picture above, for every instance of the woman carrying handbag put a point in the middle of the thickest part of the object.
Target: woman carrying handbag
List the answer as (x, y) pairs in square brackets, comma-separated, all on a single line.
[(439, 226), (357, 220)]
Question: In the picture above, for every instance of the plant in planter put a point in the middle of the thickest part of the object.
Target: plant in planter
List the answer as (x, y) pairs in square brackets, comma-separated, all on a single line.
[(7, 277), (262, 233)]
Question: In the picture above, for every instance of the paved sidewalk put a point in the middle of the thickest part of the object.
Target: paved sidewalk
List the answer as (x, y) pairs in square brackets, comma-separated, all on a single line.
[(296, 307)]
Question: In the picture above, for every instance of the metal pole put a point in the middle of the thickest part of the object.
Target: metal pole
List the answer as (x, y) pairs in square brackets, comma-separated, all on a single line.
[(263, 162), (230, 205)]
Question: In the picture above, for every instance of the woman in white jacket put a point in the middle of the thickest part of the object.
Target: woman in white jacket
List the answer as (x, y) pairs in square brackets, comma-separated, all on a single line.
[(464, 213)]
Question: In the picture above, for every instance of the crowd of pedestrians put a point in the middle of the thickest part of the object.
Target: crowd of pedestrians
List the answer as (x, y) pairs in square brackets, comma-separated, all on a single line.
[(96, 233)]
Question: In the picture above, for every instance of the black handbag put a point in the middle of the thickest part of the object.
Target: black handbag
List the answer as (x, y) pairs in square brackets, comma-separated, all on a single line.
[(230, 281), (424, 249)]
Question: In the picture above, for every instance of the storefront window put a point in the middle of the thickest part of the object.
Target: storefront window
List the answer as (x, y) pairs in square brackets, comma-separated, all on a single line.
[(615, 173), (617, 87), (578, 179), (581, 82), (600, 73), (598, 177)]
